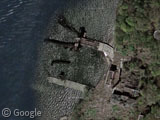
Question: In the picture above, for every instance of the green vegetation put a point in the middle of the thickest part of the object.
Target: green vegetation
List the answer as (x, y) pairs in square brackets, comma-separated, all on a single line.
[(80, 113), (90, 113), (136, 22), (115, 108)]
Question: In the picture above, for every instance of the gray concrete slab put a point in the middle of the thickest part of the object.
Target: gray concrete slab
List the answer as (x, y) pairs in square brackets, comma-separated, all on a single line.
[(69, 84)]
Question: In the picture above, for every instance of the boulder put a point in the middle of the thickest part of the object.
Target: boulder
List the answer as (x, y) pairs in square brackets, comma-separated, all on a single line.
[(157, 34)]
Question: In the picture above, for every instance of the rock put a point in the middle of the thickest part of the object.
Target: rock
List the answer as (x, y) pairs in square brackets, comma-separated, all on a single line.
[(64, 118), (157, 34)]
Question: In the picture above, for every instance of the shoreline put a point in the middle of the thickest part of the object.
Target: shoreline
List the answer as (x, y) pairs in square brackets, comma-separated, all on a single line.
[(55, 104)]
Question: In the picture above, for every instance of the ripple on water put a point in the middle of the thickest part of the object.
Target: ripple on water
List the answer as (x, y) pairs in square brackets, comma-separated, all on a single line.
[(13, 19), (8, 8)]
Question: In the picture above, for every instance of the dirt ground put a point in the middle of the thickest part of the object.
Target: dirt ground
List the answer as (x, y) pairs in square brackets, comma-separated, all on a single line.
[(99, 105)]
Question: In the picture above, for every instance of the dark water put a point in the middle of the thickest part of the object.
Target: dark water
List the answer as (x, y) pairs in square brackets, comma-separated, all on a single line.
[(22, 27)]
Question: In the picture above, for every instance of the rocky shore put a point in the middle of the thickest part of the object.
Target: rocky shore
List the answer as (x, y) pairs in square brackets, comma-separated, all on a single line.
[(86, 66)]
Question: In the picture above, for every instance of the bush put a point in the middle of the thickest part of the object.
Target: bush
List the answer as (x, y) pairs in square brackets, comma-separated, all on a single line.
[(138, 19), (126, 28), (130, 21), (154, 115), (143, 24), (150, 94)]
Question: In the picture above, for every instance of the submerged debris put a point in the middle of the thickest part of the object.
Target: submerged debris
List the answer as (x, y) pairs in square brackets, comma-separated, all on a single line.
[(63, 21), (60, 62)]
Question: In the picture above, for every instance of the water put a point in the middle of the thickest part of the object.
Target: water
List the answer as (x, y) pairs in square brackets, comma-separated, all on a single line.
[(22, 27)]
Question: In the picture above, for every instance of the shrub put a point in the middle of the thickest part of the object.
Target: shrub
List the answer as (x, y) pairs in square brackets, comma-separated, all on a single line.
[(138, 28), (130, 21), (126, 28)]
